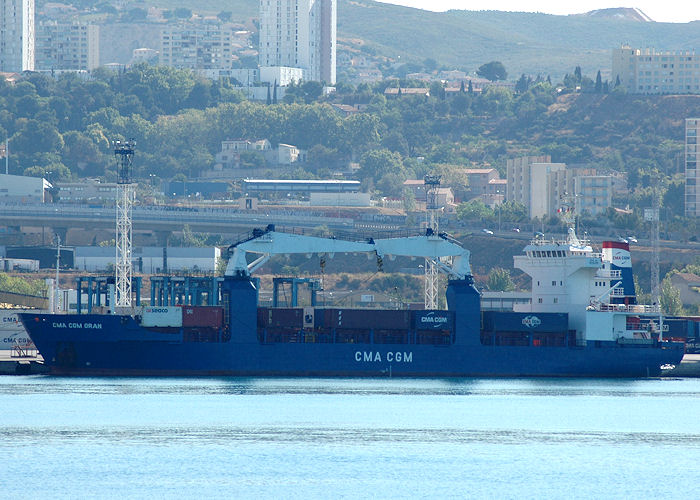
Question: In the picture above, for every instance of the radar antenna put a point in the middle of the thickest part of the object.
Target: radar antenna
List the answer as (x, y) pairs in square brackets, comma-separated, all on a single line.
[(124, 153)]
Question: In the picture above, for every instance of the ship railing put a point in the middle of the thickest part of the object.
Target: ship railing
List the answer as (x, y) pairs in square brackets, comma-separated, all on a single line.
[(581, 242), (609, 273), (627, 308)]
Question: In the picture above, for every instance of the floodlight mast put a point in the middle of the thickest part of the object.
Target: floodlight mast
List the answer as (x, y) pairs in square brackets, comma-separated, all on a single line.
[(432, 186), (124, 153)]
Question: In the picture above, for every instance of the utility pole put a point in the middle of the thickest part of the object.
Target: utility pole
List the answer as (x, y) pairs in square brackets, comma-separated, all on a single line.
[(124, 153), (652, 215)]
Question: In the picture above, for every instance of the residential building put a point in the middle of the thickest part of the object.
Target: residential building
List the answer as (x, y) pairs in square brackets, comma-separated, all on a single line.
[(402, 91), (544, 187), (495, 192), (593, 193), (230, 154), (299, 34), (281, 75), (417, 187), (688, 285), (656, 72), (67, 46), (478, 179), (527, 185), (16, 36), (201, 47), (286, 155), (143, 54), (692, 172)]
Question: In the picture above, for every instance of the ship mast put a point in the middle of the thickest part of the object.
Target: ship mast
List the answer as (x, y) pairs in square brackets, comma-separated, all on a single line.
[(123, 153), (432, 185)]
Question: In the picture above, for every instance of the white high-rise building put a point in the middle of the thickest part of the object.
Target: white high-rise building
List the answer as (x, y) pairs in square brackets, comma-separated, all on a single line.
[(16, 35), (67, 46), (299, 34), (692, 172)]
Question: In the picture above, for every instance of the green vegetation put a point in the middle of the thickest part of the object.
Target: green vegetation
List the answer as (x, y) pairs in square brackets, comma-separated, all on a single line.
[(499, 280), (24, 286), (62, 128)]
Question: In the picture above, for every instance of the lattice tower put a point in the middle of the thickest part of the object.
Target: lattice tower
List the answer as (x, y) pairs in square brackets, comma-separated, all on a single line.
[(124, 153)]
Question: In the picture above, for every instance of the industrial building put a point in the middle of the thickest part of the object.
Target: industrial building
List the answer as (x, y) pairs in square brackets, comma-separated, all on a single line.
[(22, 189), (150, 260)]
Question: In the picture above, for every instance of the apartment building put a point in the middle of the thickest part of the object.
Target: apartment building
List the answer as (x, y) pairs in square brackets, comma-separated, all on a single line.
[(67, 46), (299, 34), (692, 172), (656, 72), (201, 47), (593, 193), (543, 187), (16, 36)]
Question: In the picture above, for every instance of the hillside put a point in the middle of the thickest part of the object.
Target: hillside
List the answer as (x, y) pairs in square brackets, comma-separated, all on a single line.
[(524, 42)]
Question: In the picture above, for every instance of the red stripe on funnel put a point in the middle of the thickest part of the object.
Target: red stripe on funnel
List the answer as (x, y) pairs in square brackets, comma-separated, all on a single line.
[(616, 244)]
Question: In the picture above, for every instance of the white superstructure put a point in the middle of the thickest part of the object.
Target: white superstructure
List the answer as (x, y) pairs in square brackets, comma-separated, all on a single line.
[(569, 276)]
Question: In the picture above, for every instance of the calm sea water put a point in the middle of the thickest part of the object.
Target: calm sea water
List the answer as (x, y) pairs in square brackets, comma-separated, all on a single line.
[(330, 438)]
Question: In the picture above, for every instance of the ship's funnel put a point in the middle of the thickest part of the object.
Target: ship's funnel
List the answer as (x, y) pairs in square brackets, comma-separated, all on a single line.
[(617, 254)]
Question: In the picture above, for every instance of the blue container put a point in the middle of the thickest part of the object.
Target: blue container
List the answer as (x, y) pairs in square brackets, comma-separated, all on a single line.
[(496, 321)]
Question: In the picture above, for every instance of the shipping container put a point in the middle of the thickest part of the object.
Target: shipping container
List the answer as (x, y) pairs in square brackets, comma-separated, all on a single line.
[(169, 316), (433, 320), (280, 317), (370, 318), (209, 316), (497, 321)]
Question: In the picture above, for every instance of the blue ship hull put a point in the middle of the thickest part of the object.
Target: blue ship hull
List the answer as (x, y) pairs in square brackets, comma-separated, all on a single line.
[(118, 345)]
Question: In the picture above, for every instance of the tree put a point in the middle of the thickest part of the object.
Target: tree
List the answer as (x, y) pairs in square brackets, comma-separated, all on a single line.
[(377, 163), (598, 83), (670, 299), (225, 16), (492, 71), (499, 280), (474, 210)]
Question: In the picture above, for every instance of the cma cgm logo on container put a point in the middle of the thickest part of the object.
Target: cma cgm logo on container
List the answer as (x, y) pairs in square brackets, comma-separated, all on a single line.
[(532, 321), (432, 319)]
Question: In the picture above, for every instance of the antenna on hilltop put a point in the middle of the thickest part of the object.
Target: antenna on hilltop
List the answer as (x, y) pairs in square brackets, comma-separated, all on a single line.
[(124, 153)]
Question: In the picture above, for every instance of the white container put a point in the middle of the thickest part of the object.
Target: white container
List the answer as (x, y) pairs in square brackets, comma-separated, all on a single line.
[(164, 316), (12, 332)]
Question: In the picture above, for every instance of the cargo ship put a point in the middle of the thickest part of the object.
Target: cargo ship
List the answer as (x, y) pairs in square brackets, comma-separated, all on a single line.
[(583, 320)]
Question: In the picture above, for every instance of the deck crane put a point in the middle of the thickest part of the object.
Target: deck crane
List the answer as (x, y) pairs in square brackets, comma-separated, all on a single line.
[(269, 242)]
